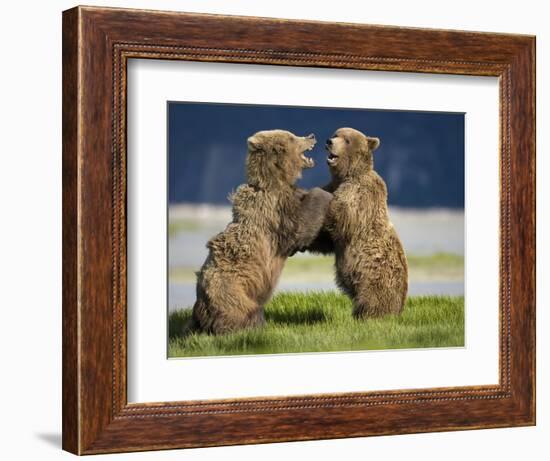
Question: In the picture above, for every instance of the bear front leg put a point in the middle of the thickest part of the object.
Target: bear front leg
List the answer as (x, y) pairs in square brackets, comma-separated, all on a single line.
[(311, 217)]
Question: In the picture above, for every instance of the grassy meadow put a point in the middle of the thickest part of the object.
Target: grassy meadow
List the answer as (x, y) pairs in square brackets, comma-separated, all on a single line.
[(307, 313), (322, 322)]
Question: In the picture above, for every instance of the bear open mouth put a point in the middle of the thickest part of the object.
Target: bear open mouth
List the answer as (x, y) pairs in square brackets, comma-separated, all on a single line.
[(307, 162), (332, 158)]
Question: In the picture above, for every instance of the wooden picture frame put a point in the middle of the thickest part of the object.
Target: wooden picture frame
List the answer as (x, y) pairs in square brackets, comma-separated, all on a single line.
[(97, 43)]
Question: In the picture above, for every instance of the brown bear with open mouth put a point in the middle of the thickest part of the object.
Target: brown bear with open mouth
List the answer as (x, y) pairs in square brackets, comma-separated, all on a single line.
[(272, 219), (371, 266)]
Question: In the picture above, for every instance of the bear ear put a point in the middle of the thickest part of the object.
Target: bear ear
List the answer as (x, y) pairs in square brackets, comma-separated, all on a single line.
[(253, 142), (373, 143)]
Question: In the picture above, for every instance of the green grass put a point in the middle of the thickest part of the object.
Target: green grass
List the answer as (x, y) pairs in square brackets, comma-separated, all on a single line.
[(175, 227), (322, 322), (443, 266)]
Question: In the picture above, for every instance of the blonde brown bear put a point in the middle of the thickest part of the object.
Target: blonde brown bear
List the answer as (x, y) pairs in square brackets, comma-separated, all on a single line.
[(272, 218), (371, 266)]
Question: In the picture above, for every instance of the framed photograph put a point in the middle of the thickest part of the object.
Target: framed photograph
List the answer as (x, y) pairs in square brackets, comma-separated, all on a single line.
[(281, 230)]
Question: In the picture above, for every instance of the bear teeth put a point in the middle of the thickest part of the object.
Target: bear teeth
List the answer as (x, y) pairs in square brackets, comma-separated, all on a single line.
[(308, 162)]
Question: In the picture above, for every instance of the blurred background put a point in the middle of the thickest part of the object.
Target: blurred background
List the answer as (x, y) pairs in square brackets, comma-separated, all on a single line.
[(421, 158)]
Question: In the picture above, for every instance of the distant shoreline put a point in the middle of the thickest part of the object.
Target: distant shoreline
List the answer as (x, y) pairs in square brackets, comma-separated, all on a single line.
[(422, 231), (209, 211)]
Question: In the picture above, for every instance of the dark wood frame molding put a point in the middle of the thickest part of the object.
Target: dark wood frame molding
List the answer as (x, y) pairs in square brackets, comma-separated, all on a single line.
[(97, 43)]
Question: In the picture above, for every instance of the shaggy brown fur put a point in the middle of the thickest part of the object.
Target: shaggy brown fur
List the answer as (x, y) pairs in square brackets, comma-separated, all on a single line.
[(371, 266), (271, 220)]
